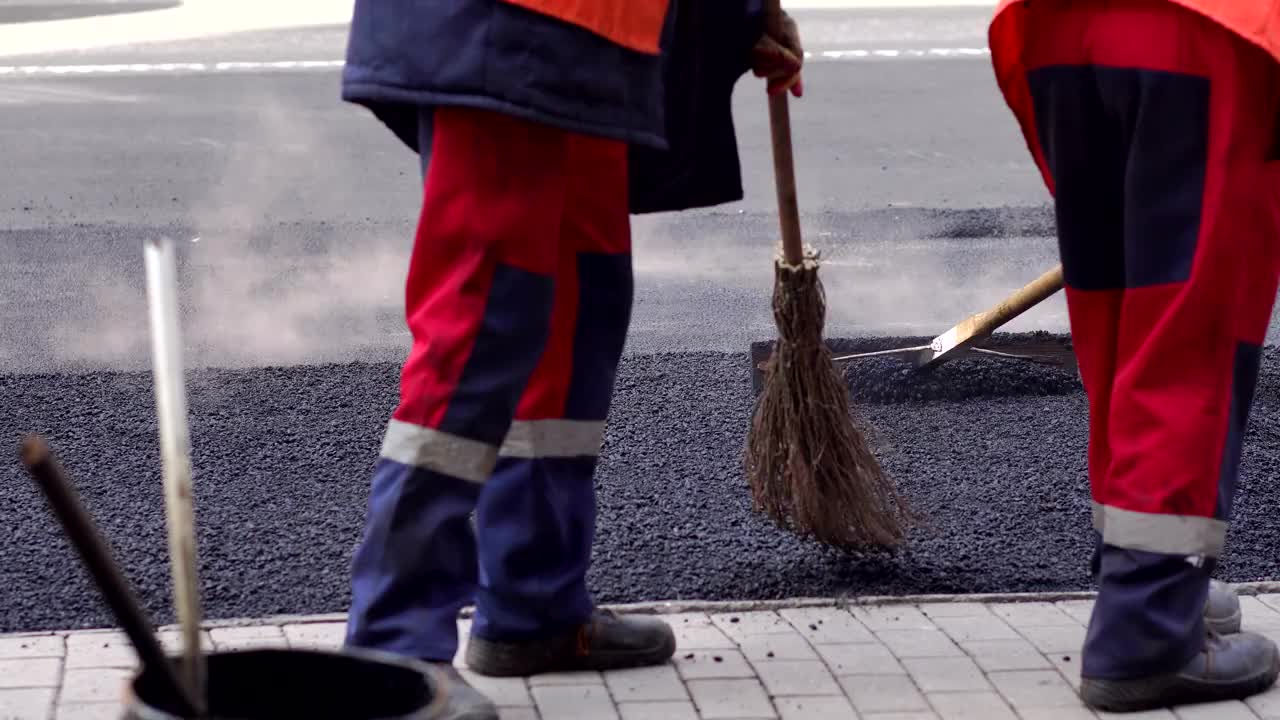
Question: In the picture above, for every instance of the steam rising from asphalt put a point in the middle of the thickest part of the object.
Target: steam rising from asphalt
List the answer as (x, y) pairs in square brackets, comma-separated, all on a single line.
[(257, 290), (260, 287)]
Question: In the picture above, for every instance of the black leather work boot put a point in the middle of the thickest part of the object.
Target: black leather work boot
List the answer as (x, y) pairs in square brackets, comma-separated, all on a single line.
[(607, 642), (1229, 667)]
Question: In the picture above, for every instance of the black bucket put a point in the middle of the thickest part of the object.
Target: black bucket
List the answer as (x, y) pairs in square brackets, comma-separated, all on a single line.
[(278, 684)]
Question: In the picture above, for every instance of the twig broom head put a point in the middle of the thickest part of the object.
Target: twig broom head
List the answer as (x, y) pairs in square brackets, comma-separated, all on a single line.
[(809, 467)]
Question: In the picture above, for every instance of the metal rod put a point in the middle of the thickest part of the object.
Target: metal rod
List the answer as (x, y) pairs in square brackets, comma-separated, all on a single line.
[(878, 353), (96, 555), (175, 449)]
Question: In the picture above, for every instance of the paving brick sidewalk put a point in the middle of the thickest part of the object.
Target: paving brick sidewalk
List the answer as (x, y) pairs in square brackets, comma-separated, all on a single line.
[(947, 660)]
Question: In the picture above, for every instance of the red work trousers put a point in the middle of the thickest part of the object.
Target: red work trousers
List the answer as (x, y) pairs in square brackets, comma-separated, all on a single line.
[(1155, 130), (518, 297)]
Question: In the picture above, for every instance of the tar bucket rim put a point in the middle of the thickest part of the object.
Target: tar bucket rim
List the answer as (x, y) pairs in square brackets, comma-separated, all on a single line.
[(138, 706)]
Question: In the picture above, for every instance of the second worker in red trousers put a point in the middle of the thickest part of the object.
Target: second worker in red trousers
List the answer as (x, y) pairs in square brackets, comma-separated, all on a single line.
[(1155, 125)]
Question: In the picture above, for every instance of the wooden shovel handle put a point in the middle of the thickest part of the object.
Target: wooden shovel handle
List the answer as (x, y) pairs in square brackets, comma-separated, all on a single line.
[(784, 172), (1025, 298)]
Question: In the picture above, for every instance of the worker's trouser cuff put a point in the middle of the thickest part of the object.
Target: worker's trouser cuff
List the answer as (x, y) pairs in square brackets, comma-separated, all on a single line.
[(1149, 615)]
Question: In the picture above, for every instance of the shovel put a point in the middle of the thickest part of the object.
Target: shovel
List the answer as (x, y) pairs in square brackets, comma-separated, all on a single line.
[(978, 327)]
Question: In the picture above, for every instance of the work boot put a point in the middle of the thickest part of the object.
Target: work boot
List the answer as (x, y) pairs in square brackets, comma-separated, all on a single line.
[(463, 701), (1229, 667), (606, 642), (1222, 609)]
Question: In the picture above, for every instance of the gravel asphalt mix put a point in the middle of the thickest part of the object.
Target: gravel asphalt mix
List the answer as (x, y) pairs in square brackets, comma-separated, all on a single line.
[(282, 459)]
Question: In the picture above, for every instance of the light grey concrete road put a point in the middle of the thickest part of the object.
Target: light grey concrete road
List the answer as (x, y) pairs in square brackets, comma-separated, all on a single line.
[(304, 206)]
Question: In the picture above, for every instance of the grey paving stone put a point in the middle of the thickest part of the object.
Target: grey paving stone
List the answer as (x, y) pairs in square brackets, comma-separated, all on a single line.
[(91, 685), (88, 711), (1055, 638), (883, 693), (1068, 666), (980, 627), (922, 715), (946, 674), (1160, 714), (971, 706), (892, 617), (827, 625), (26, 703), (1034, 688), (755, 622), (33, 646), (1079, 712), (30, 673), (919, 643), (860, 659), (573, 702), (1266, 705), (791, 646), (244, 638), (712, 664), (100, 650), (1258, 615), (586, 677), (517, 713), (503, 691), (725, 699), (796, 677), (1234, 710), (994, 655), (1080, 610), (315, 636), (680, 710), (660, 682), (701, 637), (1032, 614), (953, 609), (815, 707)]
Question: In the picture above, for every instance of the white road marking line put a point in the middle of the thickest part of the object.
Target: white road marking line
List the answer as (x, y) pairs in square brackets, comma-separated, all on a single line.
[(294, 65)]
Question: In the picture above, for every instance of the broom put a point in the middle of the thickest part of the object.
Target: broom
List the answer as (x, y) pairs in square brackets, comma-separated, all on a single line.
[(809, 467)]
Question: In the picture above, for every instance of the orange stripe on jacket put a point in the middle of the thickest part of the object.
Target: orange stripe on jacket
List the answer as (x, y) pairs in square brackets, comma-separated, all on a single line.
[(633, 24), (1257, 21)]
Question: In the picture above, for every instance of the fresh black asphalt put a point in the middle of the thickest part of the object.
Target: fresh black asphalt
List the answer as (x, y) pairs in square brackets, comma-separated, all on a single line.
[(295, 214), (282, 459)]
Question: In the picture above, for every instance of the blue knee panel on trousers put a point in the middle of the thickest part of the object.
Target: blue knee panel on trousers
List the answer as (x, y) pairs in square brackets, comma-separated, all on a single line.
[(1128, 150), (535, 523), (1244, 381), (415, 567), (1149, 616), (606, 288)]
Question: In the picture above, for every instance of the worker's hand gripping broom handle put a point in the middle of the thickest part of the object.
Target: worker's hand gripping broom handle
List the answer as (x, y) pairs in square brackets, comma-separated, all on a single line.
[(980, 325), (784, 172)]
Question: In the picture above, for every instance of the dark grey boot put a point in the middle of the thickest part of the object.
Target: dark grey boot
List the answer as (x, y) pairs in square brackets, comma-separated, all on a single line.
[(607, 642), (1230, 667), (1222, 609)]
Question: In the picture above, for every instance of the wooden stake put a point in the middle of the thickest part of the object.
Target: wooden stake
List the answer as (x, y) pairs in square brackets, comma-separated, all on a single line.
[(175, 449)]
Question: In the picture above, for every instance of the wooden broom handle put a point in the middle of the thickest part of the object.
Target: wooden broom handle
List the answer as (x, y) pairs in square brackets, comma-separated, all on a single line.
[(784, 172), (1027, 297)]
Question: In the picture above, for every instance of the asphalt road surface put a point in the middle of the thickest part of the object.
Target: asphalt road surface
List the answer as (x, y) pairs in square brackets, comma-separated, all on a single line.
[(295, 214)]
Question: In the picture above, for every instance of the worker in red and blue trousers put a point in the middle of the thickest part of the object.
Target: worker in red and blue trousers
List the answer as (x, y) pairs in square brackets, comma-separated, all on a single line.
[(1155, 125), (541, 125)]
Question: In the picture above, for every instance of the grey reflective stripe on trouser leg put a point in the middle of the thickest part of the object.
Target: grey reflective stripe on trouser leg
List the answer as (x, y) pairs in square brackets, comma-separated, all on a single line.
[(1190, 535), (553, 438), (431, 449)]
